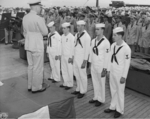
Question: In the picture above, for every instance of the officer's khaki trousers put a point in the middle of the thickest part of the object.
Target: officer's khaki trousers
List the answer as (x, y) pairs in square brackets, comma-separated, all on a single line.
[(8, 36), (35, 70)]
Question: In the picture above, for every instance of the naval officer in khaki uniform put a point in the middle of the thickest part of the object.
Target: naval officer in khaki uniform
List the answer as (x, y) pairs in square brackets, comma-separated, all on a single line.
[(34, 29)]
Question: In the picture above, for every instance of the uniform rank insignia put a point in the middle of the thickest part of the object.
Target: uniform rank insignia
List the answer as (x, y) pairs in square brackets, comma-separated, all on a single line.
[(127, 56)]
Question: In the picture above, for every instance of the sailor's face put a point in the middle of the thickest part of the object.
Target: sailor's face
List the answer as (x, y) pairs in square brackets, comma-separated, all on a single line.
[(79, 27), (98, 31), (51, 29), (115, 37), (68, 19), (65, 30)]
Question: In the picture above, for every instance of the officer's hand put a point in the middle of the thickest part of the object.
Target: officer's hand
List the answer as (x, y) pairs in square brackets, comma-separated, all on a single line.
[(56, 58), (21, 42), (104, 72), (84, 64), (108, 75), (122, 80)]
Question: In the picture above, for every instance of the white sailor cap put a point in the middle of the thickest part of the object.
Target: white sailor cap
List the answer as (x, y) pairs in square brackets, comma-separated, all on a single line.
[(51, 24), (81, 22), (118, 29), (100, 25), (34, 2), (66, 24)]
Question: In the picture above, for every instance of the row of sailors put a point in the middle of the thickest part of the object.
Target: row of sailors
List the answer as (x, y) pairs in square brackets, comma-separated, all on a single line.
[(136, 32), (75, 52)]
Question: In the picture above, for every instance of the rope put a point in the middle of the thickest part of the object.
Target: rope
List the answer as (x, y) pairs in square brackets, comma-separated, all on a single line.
[(86, 2)]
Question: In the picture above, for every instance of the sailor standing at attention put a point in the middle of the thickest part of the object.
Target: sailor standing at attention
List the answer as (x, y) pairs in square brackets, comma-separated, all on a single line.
[(54, 52), (118, 67), (67, 56), (81, 53), (99, 57), (34, 28)]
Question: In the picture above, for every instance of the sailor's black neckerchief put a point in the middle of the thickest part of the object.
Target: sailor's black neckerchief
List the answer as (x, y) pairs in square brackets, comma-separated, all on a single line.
[(114, 55), (95, 48), (78, 39), (50, 40)]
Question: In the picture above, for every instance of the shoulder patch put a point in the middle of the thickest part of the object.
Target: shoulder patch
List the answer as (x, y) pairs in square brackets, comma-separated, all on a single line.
[(127, 56), (107, 50)]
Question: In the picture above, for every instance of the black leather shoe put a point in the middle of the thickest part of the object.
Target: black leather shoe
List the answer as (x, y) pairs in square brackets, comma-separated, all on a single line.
[(80, 96), (46, 85), (54, 81), (75, 93), (109, 111), (29, 90), (62, 86), (50, 79), (92, 101), (67, 88), (38, 91), (117, 114), (97, 104), (89, 76)]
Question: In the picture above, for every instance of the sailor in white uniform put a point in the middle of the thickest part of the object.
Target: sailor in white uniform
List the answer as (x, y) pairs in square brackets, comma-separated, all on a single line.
[(54, 52), (81, 53), (99, 57), (67, 53), (118, 67)]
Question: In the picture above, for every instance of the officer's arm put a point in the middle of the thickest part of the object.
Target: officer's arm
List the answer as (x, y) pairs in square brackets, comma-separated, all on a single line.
[(24, 31), (127, 59), (42, 26), (137, 34), (87, 42), (106, 55), (140, 34)]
